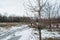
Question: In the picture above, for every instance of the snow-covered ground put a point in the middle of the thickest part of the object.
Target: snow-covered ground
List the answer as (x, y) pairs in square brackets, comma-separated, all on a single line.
[(24, 33)]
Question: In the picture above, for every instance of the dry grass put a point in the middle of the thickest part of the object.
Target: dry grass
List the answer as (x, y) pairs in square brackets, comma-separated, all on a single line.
[(9, 24), (51, 39)]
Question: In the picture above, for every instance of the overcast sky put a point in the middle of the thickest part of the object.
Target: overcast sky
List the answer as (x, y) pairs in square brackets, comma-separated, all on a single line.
[(13, 7)]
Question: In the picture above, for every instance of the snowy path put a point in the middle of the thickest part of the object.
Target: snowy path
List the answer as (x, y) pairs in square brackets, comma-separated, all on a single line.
[(18, 33), (10, 32), (24, 33)]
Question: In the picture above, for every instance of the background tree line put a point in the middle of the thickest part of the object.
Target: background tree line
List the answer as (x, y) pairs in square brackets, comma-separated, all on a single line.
[(15, 19)]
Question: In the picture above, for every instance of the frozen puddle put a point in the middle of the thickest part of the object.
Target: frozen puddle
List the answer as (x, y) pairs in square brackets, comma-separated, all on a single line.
[(24, 33)]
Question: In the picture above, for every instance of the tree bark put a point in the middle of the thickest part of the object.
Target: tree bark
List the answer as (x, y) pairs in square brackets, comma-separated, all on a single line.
[(39, 33)]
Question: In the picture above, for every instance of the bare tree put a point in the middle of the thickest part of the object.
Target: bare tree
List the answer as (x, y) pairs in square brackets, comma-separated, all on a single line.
[(50, 11), (36, 7), (57, 11), (57, 14)]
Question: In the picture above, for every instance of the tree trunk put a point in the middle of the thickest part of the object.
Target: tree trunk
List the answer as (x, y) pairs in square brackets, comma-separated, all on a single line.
[(39, 33), (50, 24)]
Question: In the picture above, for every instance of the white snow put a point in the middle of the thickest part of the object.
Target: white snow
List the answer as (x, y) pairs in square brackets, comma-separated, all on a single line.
[(24, 33), (47, 34)]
